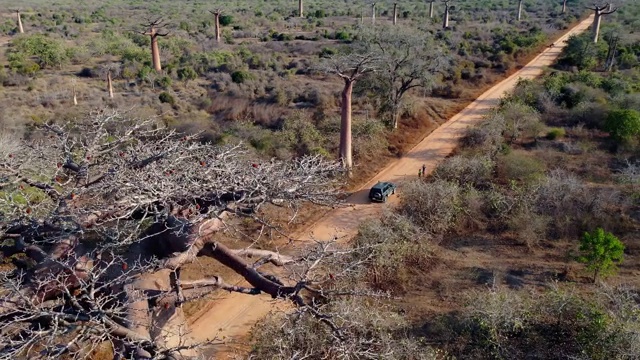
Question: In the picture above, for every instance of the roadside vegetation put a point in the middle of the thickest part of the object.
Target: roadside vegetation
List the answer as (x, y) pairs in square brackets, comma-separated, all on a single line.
[(523, 243)]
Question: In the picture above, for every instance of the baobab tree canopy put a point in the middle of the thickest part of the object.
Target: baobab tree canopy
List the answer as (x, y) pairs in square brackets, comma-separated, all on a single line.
[(99, 216)]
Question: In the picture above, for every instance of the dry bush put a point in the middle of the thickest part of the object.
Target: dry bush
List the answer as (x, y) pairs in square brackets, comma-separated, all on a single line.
[(393, 249), (370, 330), (433, 206), (521, 121), (528, 227), (471, 171), (487, 137), (472, 216), (519, 166)]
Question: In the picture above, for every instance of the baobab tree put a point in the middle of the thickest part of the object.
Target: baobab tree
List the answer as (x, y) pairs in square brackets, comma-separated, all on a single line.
[(405, 60), (108, 72), (447, 9), (216, 23), (373, 13), (520, 9), (19, 22), (564, 6), (101, 216), (431, 8), (74, 92), (350, 68), (599, 12), (395, 13), (300, 9), (154, 26)]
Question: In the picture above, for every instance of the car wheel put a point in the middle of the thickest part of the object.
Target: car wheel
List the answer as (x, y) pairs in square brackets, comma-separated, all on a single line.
[(384, 199), (393, 192)]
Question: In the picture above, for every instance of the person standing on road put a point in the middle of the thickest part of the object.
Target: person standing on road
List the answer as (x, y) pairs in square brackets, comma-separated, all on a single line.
[(419, 172), (424, 169)]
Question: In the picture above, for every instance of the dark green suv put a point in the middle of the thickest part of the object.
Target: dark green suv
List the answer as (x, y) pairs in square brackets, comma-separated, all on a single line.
[(381, 191)]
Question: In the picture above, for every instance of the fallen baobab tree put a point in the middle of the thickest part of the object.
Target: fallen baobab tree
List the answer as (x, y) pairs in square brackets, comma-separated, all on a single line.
[(98, 218)]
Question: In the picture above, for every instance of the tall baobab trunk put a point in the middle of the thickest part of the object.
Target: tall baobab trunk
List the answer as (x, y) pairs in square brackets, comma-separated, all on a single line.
[(155, 51), (445, 22), (109, 84), (345, 126), (599, 12), (300, 12), (564, 6), (216, 24), (520, 10), (373, 14), (431, 9), (20, 28), (395, 13)]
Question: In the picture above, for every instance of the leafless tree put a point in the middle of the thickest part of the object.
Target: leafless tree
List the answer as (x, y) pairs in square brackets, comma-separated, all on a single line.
[(19, 22), (520, 9), (108, 72), (447, 9), (564, 6), (102, 215), (300, 9), (613, 40), (154, 26), (406, 60), (74, 92), (373, 13), (350, 68), (216, 18), (599, 12), (431, 8)]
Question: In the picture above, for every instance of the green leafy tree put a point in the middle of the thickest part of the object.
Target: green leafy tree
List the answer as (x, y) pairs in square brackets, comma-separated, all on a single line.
[(623, 124), (187, 73), (601, 252)]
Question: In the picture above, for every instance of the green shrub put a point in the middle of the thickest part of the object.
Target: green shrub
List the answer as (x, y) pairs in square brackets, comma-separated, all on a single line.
[(165, 97), (555, 133), (601, 252), (240, 76), (226, 20), (623, 124), (187, 73), (520, 167)]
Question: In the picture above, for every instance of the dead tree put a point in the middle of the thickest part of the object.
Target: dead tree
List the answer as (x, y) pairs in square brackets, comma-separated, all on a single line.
[(153, 32), (300, 9), (599, 12), (520, 9), (19, 22), (100, 217), (349, 68), (216, 17), (109, 72), (612, 40), (373, 13), (431, 8), (447, 9), (564, 6), (395, 13), (74, 92)]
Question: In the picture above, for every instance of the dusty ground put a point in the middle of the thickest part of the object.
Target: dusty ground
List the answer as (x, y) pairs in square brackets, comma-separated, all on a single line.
[(231, 316)]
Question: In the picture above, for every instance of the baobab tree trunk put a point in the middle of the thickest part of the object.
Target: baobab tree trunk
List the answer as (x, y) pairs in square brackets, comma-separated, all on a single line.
[(520, 10), (431, 9), (300, 12), (445, 22), (564, 6), (373, 14), (217, 25), (20, 28), (395, 13), (596, 26), (155, 52), (109, 84), (345, 126), (75, 96)]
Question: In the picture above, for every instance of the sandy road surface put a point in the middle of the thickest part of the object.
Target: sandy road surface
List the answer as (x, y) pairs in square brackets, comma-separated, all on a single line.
[(233, 315)]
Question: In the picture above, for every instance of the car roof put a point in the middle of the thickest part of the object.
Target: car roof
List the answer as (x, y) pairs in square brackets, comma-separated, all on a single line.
[(380, 185)]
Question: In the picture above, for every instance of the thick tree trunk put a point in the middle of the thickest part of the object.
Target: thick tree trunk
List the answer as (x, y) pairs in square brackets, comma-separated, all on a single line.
[(20, 28), (520, 10), (345, 125), (217, 26), (109, 84), (155, 52), (373, 14), (445, 22), (596, 27), (395, 13), (300, 10), (564, 6), (431, 9)]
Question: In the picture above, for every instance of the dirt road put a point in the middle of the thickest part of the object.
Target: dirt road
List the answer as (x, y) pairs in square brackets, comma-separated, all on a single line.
[(232, 316)]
